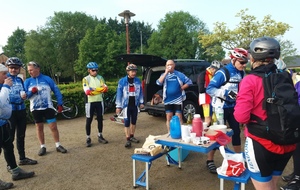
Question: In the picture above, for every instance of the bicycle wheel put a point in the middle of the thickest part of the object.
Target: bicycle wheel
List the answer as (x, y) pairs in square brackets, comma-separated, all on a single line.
[(70, 110)]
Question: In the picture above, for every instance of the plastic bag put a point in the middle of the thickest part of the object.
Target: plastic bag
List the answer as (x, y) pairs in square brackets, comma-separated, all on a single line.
[(233, 163)]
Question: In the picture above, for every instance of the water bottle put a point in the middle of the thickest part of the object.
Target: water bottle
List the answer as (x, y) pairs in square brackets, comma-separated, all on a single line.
[(189, 118), (220, 115), (197, 125), (175, 129)]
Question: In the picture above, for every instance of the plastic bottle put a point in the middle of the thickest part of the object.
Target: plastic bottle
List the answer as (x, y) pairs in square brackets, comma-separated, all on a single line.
[(175, 129), (220, 115), (189, 118), (197, 125)]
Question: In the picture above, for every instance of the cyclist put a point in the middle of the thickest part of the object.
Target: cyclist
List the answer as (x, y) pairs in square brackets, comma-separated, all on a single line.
[(129, 98), (93, 86), (5, 140), (225, 90), (18, 117), (38, 90)]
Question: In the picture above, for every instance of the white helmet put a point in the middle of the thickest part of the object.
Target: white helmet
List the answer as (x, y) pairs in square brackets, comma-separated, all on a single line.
[(215, 64)]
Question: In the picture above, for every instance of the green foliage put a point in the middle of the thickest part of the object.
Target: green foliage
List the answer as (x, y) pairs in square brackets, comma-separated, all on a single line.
[(247, 30), (15, 45), (176, 37), (100, 46)]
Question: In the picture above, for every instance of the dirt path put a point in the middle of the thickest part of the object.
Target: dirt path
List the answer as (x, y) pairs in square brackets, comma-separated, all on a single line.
[(109, 166)]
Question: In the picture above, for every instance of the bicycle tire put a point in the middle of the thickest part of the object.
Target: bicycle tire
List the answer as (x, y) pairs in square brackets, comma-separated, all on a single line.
[(70, 109)]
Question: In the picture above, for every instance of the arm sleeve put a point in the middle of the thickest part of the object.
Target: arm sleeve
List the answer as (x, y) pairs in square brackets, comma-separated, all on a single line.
[(56, 91), (214, 88), (119, 94), (244, 101)]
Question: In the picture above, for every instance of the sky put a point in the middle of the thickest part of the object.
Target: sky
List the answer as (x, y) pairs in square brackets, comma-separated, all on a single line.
[(31, 14)]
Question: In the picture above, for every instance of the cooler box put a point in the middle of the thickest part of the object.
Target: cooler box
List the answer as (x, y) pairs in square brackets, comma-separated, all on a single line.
[(174, 154)]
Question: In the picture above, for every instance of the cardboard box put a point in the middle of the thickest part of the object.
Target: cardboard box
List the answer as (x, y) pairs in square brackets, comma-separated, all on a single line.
[(174, 154)]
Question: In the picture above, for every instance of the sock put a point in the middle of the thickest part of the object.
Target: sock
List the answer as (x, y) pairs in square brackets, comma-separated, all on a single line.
[(88, 137), (208, 161), (57, 144), (131, 135), (99, 134), (43, 146), (127, 138)]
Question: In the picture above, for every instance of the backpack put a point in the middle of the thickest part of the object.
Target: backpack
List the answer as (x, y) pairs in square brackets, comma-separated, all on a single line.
[(282, 125)]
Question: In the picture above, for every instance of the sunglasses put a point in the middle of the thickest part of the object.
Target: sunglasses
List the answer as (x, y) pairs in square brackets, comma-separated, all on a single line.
[(94, 70), (243, 62), (34, 64), (15, 68)]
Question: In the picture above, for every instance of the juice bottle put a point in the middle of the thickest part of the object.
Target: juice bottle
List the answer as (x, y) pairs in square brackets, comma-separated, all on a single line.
[(197, 125)]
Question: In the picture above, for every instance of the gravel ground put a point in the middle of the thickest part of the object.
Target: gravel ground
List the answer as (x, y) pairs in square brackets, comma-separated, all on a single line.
[(109, 166)]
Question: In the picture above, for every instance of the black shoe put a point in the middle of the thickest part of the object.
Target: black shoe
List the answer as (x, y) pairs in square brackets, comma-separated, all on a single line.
[(102, 140), (288, 178), (5, 185), (9, 169), (42, 151), (27, 161), (294, 184), (61, 149), (88, 142), (133, 139), (212, 168), (18, 174), (128, 144)]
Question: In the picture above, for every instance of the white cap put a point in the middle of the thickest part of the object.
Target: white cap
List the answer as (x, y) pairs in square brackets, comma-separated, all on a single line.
[(197, 116), (3, 68)]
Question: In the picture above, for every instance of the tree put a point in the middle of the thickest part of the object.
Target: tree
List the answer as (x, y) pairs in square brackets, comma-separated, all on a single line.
[(248, 29), (67, 30), (15, 45), (176, 37), (100, 45), (39, 48)]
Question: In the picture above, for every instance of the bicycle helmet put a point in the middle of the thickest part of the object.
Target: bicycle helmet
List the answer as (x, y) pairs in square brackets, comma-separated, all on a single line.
[(92, 65), (14, 61), (240, 54), (215, 64), (131, 67), (264, 48)]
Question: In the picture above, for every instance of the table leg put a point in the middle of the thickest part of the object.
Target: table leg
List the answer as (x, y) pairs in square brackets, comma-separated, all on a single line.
[(179, 157), (221, 184), (147, 175), (133, 172)]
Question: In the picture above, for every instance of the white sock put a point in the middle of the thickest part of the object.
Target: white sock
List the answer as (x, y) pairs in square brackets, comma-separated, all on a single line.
[(57, 144), (43, 145), (99, 134), (88, 136)]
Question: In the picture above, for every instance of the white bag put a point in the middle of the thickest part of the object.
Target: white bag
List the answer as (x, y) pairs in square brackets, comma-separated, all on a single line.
[(149, 147), (233, 163)]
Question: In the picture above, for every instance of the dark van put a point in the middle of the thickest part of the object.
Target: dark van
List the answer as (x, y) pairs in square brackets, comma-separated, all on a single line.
[(153, 67)]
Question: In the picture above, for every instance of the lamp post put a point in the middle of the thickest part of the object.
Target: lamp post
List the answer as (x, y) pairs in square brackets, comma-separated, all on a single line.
[(127, 15)]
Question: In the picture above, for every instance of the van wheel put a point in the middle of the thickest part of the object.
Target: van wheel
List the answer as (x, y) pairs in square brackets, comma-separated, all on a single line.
[(188, 107)]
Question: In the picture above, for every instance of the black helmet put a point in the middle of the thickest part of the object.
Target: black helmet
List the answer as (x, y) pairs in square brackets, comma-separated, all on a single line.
[(264, 48), (14, 61)]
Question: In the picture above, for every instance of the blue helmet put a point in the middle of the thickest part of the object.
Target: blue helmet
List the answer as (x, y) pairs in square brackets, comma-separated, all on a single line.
[(92, 65), (14, 61)]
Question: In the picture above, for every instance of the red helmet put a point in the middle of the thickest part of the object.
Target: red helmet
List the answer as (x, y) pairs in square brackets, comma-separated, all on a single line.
[(240, 54)]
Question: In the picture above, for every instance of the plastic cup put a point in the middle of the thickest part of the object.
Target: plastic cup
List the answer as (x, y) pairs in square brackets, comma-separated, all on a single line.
[(22, 93), (193, 135)]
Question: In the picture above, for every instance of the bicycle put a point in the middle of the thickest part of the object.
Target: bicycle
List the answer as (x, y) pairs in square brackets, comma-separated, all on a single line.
[(70, 110)]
